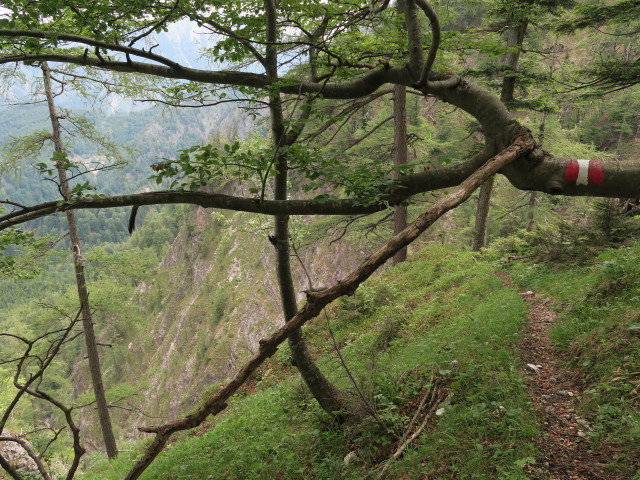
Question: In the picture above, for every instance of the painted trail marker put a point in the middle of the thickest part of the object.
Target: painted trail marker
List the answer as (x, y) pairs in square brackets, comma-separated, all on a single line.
[(584, 172)]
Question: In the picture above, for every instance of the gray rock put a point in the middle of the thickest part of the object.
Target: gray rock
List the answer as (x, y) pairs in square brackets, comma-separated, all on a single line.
[(350, 458), (16, 455)]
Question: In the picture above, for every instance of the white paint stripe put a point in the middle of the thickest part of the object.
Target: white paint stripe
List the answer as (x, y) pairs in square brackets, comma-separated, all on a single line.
[(583, 172)]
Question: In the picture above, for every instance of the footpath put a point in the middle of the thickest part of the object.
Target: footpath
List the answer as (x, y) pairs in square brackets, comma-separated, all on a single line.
[(566, 453)]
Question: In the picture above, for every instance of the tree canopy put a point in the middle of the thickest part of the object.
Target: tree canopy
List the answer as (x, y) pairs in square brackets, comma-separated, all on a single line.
[(334, 50)]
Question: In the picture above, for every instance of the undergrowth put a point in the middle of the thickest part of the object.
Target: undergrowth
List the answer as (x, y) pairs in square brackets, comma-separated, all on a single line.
[(428, 318)]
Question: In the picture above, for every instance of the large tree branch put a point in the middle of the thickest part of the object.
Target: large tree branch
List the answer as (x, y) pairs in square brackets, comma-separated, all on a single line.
[(317, 300), (539, 172), (362, 85), (367, 83), (203, 199), (92, 42), (560, 176), (484, 106), (435, 41)]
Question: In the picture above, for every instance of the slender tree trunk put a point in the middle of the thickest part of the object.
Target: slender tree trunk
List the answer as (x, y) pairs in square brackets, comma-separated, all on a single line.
[(400, 147), (83, 294), (515, 37), (325, 393), (328, 396), (399, 158), (482, 215), (533, 200)]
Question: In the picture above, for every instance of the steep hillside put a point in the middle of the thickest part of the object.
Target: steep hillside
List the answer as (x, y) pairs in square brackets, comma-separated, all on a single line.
[(445, 326), (202, 312), (425, 324), (431, 355)]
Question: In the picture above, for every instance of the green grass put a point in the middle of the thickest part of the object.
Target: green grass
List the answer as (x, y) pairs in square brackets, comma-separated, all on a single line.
[(440, 313)]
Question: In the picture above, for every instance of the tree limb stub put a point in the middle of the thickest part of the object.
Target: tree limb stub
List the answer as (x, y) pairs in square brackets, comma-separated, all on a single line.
[(317, 300)]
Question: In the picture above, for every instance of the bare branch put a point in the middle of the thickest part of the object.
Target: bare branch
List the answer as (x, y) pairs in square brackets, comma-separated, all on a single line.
[(33, 380), (435, 42), (70, 37), (317, 300)]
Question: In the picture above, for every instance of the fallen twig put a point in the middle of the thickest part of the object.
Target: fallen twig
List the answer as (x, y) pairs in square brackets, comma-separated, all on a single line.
[(432, 409)]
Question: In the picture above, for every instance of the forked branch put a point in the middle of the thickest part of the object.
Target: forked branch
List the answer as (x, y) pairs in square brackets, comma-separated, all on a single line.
[(31, 387)]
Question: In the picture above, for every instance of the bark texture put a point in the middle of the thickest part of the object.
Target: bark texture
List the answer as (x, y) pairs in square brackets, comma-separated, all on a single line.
[(399, 159), (83, 294)]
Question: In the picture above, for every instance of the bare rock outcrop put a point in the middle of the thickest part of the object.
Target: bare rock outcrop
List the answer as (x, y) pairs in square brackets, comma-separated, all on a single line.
[(15, 453)]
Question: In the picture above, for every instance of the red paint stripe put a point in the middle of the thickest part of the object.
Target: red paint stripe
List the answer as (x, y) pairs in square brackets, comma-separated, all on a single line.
[(571, 171), (596, 172)]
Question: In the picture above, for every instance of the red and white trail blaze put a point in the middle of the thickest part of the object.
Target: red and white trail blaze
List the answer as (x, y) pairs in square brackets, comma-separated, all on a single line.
[(584, 172)]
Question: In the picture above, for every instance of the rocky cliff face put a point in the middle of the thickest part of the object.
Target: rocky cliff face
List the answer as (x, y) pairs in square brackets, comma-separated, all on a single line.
[(212, 299), (15, 453)]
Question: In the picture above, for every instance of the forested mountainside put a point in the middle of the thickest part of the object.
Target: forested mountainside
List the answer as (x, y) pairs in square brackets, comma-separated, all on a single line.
[(464, 351), (139, 139), (302, 262)]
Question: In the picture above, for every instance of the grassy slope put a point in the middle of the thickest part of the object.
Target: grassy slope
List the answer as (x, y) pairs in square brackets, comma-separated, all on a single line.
[(431, 314)]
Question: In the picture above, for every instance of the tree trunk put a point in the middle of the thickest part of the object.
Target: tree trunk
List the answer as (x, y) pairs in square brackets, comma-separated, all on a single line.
[(515, 37), (482, 214), (328, 396), (83, 294), (533, 200), (399, 158), (533, 197), (324, 392)]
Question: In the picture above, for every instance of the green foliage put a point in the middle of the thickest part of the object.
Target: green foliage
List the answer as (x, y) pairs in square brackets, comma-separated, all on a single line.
[(157, 229), (573, 234), (614, 66), (562, 243), (200, 165), (6, 393), (18, 249), (427, 316), (618, 113), (616, 225), (593, 14)]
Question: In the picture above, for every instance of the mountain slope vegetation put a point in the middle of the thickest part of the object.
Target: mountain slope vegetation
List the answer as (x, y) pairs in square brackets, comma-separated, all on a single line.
[(417, 372), (429, 318)]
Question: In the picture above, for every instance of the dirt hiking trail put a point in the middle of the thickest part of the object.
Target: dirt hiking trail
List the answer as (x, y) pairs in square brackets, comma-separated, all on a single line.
[(565, 451)]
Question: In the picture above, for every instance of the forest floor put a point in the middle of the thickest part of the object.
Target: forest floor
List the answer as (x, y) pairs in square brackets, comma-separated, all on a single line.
[(565, 450)]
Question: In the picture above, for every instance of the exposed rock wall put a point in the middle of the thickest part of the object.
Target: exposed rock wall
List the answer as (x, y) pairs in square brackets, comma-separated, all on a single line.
[(16, 455), (213, 298)]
